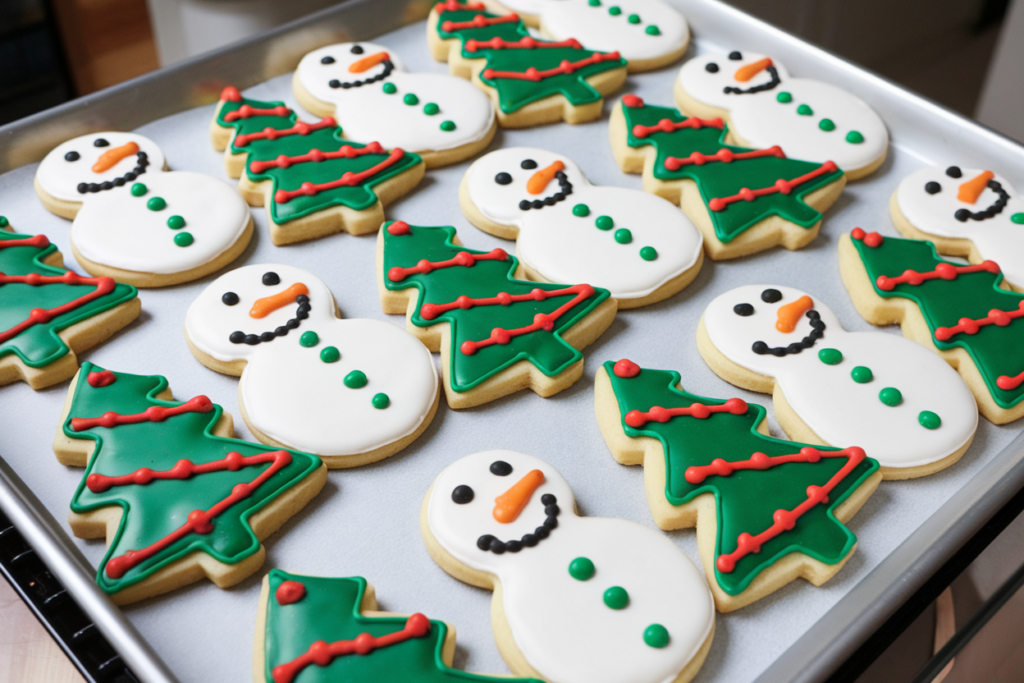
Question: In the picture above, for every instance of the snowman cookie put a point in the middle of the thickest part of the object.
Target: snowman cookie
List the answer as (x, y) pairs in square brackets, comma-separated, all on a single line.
[(576, 599), (764, 106), (366, 89), (965, 212), (901, 403), (136, 223), (636, 245), (351, 391)]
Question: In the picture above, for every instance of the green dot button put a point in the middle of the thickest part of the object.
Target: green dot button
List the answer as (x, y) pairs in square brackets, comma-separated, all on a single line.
[(355, 379), (854, 137), (447, 126), (648, 253), (430, 109), (862, 375), (804, 110), (784, 97), (183, 239), (604, 223), (623, 236), (614, 11), (138, 189), (929, 420), (581, 210), (330, 354), (830, 356), (175, 222), (1018, 218), (390, 89), (633, 18), (656, 635), (581, 569), (4, 222), (594, 3), (652, 30), (156, 204), (890, 396), (381, 401), (411, 99), (616, 597), (309, 339), (827, 125)]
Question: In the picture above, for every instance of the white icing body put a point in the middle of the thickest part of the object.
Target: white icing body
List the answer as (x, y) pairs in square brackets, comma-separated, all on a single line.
[(997, 238), (289, 393), (561, 624), (596, 29), (61, 177), (762, 120), (368, 113), (566, 248), (835, 407)]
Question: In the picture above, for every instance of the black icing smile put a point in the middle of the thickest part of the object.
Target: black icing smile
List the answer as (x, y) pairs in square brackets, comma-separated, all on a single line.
[(565, 189), (489, 543), (345, 85), (964, 215), (301, 313), (807, 342), (142, 161), (770, 85)]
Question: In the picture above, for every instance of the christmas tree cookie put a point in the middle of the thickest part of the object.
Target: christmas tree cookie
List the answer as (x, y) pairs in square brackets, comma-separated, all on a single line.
[(766, 510), (351, 391), (369, 93), (576, 599), (133, 221), (175, 496), (743, 200), (49, 313), (965, 212), (313, 629), (312, 180), (961, 312), (496, 333), (899, 402), (530, 81)]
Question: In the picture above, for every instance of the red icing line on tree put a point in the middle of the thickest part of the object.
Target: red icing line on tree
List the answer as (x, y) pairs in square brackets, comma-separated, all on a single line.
[(37, 241), (101, 379), (872, 239), (199, 521), (1009, 383), (268, 133), (348, 179), (670, 126), (245, 112), (945, 271), (637, 419), (231, 94), (41, 316), (316, 155), (566, 67), (626, 368), (479, 21), (781, 185), (969, 326), (199, 404), (724, 155), (528, 43), (322, 653), (289, 592), (463, 258)]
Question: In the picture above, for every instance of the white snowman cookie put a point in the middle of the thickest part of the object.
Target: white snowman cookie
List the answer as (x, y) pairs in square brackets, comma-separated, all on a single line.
[(350, 391), (764, 106), (966, 212), (133, 221), (905, 406), (577, 599), (637, 245), (443, 118)]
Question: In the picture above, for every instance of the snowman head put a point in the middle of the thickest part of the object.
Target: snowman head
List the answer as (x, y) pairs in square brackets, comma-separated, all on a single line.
[(509, 184), (96, 163), (492, 505), (344, 66), (722, 80), (945, 197), (250, 307)]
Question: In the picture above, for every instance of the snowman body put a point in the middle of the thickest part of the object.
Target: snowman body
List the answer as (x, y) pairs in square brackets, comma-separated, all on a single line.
[(558, 615), (627, 241), (312, 381), (970, 204), (375, 99), (840, 383), (809, 119)]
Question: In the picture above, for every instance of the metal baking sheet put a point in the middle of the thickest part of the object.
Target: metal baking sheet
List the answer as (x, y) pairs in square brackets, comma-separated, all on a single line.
[(365, 522)]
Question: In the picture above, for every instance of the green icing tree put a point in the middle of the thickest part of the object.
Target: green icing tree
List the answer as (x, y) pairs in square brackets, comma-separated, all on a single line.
[(182, 488), (731, 171), (324, 614), (700, 437), (493, 316)]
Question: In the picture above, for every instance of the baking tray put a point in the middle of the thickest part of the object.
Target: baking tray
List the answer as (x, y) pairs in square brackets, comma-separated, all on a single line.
[(365, 522)]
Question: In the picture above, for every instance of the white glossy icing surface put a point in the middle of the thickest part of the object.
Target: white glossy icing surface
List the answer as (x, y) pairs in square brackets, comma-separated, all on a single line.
[(597, 29), (569, 249), (559, 623), (61, 178), (838, 409)]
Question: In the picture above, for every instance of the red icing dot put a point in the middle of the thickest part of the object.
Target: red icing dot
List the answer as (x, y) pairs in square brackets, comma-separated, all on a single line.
[(632, 101), (418, 625), (231, 94), (289, 592), (626, 368), (101, 379), (398, 228)]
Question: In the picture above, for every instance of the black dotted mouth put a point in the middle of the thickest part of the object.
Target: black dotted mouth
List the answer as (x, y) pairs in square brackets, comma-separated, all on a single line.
[(817, 332), (770, 85), (301, 313), (964, 215), (487, 542), (142, 161), (345, 85), (565, 189)]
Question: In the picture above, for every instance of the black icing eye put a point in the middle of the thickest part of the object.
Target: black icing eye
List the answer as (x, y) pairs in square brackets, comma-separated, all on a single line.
[(503, 178), (229, 298), (72, 156), (954, 172), (356, 50), (735, 55), (271, 278), (327, 60), (501, 468), (528, 164), (100, 142), (932, 187), (770, 296), (462, 494), (711, 68), (743, 309)]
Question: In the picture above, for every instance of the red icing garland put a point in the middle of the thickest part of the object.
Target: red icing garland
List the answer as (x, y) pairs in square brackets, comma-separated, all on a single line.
[(781, 185), (289, 592), (528, 43), (463, 258), (455, 5), (300, 128), (101, 379), (945, 271), (37, 241), (199, 404), (566, 67), (479, 21), (1009, 383), (725, 155), (348, 179), (322, 653), (245, 112), (872, 239), (637, 419), (669, 126), (969, 326), (346, 152), (40, 316)]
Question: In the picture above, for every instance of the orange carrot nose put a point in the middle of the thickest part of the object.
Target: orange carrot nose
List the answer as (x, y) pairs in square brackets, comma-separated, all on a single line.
[(972, 189), (109, 159), (268, 304), (789, 315), (368, 62), (748, 71), (539, 180), (508, 505)]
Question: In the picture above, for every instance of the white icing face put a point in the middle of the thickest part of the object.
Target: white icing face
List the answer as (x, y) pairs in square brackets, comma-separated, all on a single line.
[(561, 622), (97, 163), (627, 241), (838, 382), (347, 66), (659, 29), (706, 77)]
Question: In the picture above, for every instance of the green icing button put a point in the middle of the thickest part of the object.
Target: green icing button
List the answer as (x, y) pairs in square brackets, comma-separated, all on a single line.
[(330, 354), (614, 11), (652, 30), (175, 222), (581, 210), (390, 89), (138, 189), (355, 379), (784, 97), (633, 18), (890, 396), (648, 253), (381, 401), (854, 137), (929, 420), (616, 597), (862, 375), (4, 222), (581, 568), (623, 236), (604, 223), (594, 3), (447, 126), (309, 339), (156, 204), (656, 635), (183, 239), (1018, 218), (430, 109), (804, 110), (830, 356), (411, 99), (826, 125)]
